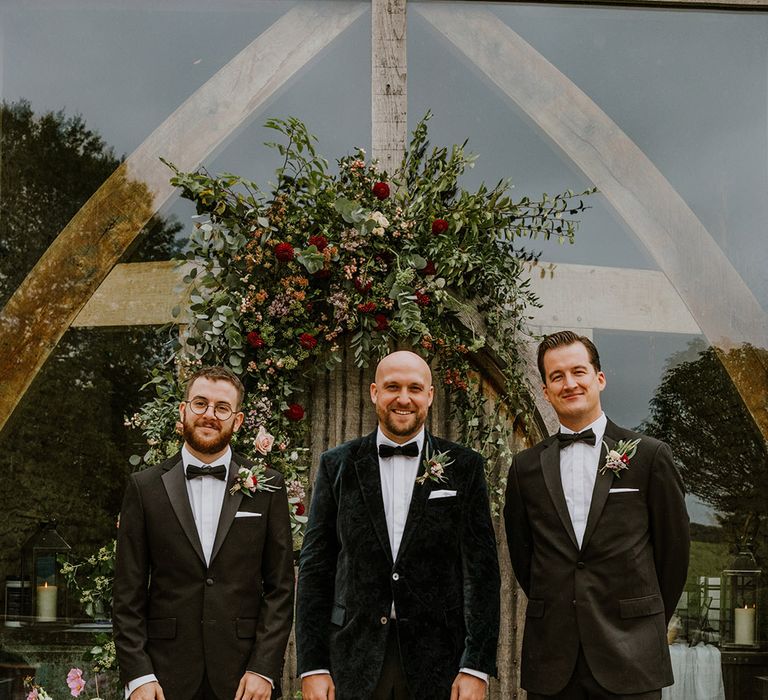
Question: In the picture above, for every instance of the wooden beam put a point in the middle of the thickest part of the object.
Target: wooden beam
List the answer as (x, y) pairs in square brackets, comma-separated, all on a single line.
[(70, 271), (586, 297), (389, 85)]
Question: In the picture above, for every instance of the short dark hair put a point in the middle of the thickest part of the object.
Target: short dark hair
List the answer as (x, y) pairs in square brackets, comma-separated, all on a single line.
[(561, 339), (217, 374)]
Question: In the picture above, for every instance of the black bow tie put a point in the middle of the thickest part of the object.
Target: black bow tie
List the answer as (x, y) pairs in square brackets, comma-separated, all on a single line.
[(218, 472), (566, 439), (409, 450)]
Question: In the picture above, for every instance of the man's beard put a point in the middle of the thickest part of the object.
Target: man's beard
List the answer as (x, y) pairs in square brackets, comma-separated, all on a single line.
[(401, 429), (207, 445)]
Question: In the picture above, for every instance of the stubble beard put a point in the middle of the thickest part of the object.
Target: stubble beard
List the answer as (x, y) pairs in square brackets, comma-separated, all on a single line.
[(400, 429)]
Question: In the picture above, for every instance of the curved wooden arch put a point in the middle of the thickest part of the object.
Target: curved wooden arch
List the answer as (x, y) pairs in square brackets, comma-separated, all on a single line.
[(69, 272), (718, 298)]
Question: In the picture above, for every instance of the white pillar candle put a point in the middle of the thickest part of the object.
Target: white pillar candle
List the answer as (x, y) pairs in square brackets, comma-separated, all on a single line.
[(745, 625), (47, 597)]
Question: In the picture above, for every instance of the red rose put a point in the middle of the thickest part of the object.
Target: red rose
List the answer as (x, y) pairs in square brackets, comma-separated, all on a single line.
[(320, 242), (439, 226), (307, 341), (429, 269), (294, 412), (322, 274), (422, 299), (382, 322), (362, 287), (255, 340), (367, 308), (300, 509), (381, 190), (284, 252)]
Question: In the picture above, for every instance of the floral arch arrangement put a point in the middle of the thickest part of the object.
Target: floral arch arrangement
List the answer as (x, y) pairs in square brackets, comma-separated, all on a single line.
[(282, 279)]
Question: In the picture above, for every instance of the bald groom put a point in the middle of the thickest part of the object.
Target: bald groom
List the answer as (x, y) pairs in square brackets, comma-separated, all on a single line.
[(398, 593)]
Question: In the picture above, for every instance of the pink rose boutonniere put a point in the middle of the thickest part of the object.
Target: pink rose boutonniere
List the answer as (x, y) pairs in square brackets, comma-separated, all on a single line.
[(434, 467), (618, 457), (255, 478)]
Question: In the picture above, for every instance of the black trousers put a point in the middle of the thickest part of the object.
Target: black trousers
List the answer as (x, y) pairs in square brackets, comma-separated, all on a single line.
[(392, 684), (583, 686)]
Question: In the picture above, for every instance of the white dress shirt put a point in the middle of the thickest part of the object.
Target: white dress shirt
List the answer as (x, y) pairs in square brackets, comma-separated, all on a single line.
[(578, 472)]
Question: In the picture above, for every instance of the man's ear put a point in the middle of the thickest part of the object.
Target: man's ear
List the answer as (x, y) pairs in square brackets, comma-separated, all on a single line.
[(374, 392), (544, 391), (239, 418)]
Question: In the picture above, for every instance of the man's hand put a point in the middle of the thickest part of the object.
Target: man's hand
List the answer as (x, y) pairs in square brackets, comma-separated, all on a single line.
[(148, 691), (318, 686), (468, 687), (253, 687)]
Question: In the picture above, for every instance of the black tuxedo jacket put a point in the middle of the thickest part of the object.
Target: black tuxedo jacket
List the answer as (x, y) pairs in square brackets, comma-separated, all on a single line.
[(176, 617), (444, 583), (615, 594)]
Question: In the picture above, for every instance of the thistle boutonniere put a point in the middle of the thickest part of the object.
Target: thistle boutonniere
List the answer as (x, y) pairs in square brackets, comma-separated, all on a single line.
[(618, 458), (255, 478), (434, 467)]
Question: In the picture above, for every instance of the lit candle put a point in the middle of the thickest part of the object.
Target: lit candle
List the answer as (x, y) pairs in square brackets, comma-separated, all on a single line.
[(46, 602), (745, 625)]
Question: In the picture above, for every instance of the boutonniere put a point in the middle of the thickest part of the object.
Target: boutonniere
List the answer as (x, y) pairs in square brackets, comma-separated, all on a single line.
[(255, 478), (434, 467), (618, 458)]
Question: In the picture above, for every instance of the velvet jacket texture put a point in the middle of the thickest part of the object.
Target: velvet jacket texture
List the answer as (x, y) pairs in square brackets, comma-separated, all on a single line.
[(615, 594), (444, 583), (178, 618)]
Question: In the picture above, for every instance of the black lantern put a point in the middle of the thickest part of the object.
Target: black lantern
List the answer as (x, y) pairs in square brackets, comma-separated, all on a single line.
[(47, 599), (740, 604)]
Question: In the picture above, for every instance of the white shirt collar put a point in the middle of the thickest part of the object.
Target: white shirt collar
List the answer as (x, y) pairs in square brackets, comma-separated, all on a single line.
[(382, 439), (598, 428), (187, 458)]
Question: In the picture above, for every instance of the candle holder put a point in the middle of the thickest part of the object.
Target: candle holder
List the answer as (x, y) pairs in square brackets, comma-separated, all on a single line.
[(45, 599), (740, 604)]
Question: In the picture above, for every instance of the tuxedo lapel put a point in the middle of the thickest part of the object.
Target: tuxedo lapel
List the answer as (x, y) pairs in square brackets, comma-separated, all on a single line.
[(367, 470), (603, 482), (175, 483), (419, 498), (550, 468), (229, 507)]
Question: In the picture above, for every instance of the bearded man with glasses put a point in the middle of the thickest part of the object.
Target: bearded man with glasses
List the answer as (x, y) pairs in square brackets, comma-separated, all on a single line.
[(203, 592)]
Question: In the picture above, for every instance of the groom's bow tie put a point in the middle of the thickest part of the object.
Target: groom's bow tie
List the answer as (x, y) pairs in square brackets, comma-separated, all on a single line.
[(566, 439), (218, 472), (409, 450)]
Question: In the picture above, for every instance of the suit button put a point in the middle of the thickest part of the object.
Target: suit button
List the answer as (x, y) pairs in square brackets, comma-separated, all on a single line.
[(209, 581), (580, 565), (573, 602), (395, 576), (384, 620)]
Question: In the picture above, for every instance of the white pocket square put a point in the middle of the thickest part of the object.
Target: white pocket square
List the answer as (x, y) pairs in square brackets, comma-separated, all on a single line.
[(623, 490), (246, 514), (441, 493)]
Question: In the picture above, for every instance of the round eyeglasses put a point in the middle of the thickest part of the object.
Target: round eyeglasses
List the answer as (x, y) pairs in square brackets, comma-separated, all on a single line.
[(222, 411)]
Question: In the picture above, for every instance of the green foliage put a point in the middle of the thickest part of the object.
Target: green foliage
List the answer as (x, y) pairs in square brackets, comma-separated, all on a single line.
[(281, 279)]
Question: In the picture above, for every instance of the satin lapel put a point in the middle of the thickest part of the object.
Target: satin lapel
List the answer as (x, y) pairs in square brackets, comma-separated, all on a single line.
[(419, 498), (603, 484), (176, 486), (367, 469), (228, 509), (550, 468)]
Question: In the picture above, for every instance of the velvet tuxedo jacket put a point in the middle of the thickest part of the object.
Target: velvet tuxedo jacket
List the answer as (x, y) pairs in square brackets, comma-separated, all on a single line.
[(613, 595), (444, 582), (177, 617)]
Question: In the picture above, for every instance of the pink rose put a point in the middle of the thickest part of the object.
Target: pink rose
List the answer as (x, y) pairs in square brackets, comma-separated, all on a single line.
[(75, 681), (264, 441)]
